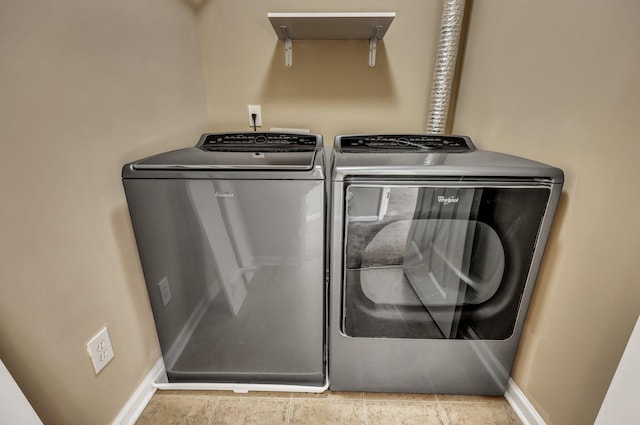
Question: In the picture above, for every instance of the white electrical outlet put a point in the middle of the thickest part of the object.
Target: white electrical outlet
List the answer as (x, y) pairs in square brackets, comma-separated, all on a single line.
[(100, 350), (255, 109), (165, 291)]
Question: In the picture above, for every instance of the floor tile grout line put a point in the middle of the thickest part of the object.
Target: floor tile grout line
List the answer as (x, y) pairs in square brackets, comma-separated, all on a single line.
[(366, 413), (289, 409), (213, 411), (441, 412)]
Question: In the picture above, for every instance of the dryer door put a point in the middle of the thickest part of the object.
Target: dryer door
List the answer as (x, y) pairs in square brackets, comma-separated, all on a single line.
[(438, 260)]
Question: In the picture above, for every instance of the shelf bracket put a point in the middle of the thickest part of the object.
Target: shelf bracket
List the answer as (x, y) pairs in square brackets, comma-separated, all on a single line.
[(288, 45), (373, 45)]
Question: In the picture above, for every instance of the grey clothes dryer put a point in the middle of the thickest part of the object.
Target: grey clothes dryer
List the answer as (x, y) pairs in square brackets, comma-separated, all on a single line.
[(231, 237), (434, 255)]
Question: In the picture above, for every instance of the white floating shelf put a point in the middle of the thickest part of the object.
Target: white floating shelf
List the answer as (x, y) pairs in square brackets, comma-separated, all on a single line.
[(370, 26)]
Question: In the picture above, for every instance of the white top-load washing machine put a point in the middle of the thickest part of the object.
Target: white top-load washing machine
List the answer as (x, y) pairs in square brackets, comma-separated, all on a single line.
[(434, 255), (231, 237)]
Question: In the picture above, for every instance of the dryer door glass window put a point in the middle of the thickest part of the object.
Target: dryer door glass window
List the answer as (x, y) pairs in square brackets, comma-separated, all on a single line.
[(437, 261)]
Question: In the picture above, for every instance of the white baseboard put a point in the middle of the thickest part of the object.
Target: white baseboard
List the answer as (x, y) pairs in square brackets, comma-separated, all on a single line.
[(140, 398), (521, 405)]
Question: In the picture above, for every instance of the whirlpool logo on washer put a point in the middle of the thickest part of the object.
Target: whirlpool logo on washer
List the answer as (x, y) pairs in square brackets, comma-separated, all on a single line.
[(225, 195), (450, 200)]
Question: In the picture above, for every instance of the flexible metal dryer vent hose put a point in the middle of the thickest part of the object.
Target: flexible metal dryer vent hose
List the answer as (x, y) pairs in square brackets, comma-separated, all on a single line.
[(445, 67)]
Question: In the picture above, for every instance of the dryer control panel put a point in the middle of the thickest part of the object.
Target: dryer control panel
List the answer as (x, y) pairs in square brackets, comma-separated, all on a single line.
[(251, 141), (389, 143)]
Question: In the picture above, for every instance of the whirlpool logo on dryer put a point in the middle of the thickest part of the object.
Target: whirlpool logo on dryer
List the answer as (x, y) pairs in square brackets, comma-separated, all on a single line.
[(450, 200), (225, 194)]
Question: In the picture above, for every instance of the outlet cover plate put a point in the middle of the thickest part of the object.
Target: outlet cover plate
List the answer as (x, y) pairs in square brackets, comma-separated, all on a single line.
[(255, 109), (100, 350)]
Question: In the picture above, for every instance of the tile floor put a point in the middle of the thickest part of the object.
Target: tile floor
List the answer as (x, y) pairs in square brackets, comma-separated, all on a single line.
[(335, 408)]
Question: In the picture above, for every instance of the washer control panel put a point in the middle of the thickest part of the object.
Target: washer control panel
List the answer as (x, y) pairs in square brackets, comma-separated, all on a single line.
[(405, 143), (252, 141)]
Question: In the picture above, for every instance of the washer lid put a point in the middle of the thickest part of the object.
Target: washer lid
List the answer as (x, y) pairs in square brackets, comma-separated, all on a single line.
[(241, 151)]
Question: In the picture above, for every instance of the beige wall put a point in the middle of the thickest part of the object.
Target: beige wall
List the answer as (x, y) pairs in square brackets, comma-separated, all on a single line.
[(558, 82), (85, 86), (330, 88)]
